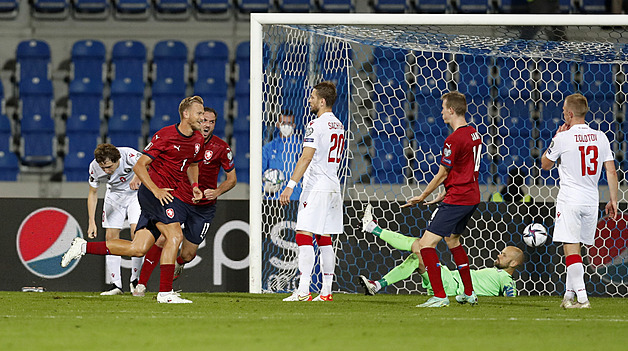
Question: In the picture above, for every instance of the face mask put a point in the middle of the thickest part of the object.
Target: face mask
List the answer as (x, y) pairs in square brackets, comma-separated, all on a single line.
[(286, 130)]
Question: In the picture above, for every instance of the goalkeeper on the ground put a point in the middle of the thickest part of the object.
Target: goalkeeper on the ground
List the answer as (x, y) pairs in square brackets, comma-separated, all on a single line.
[(495, 281)]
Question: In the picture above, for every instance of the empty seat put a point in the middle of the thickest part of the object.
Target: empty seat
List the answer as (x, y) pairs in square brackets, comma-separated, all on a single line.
[(390, 6), (91, 9), (249, 6), (33, 60), (593, 6), (388, 160), (473, 6), (9, 8), (9, 166), (295, 5), (53, 9), (212, 9), (241, 154), (166, 96), (128, 59), (474, 75), (125, 122), (88, 60), (172, 9), (76, 166), (170, 60), (38, 144), (211, 60), (432, 6), (36, 98), (86, 106), (132, 9), (336, 5), (390, 65), (6, 133), (214, 95), (243, 68), (84, 142)]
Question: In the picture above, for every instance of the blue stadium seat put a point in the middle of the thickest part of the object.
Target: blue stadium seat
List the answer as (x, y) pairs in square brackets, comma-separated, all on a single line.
[(551, 113), (125, 122), (593, 6), (598, 81), (33, 60), (514, 87), (212, 9), (128, 59), (432, 78), (335, 57), (388, 160), (243, 68), (9, 8), (38, 144), (390, 109), (250, 6), (50, 9), (211, 59), (214, 95), (556, 81), (36, 99), (473, 6), (2, 100), (170, 60), (390, 6), (84, 142), (76, 166), (86, 106), (91, 9), (390, 65), (241, 155), (6, 133), (172, 9), (167, 94), (426, 161), (429, 125), (87, 60), (336, 6), (432, 6), (295, 5), (132, 9), (474, 75), (9, 166), (515, 135)]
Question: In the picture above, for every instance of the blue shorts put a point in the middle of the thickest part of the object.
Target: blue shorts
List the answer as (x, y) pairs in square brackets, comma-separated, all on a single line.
[(450, 219), (197, 222), (153, 211)]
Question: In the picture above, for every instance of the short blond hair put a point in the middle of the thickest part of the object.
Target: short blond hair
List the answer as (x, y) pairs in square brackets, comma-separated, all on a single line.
[(187, 102), (457, 101), (577, 104)]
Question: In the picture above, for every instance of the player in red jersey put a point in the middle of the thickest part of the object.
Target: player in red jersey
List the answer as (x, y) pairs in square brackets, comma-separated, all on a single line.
[(199, 215), (459, 167), (171, 156)]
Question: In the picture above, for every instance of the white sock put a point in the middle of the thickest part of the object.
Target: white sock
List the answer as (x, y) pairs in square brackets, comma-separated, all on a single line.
[(306, 264), (575, 277), (112, 269), (328, 266), (136, 267)]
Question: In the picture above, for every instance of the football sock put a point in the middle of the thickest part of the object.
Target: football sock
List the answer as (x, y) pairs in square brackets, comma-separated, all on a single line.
[(112, 269), (402, 271), (575, 276), (373, 228), (432, 265), (97, 248), (151, 260), (306, 263), (328, 265), (165, 278), (462, 261), (136, 266), (396, 240)]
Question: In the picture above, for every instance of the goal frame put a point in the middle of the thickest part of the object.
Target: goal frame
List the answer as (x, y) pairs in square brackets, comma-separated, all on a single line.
[(258, 20)]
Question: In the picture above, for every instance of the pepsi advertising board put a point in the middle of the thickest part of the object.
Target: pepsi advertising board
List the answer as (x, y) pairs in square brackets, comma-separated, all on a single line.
[(36, 233)]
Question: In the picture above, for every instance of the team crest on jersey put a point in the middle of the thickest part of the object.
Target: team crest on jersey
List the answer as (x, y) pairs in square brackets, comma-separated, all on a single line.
[(197, 148), (170, 213), (447, 152), (208, 155), (309, 131), (229, 155)]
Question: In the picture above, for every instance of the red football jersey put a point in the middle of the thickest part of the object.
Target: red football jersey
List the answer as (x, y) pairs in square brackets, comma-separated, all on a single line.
[(216, 155), (462, 154), (172, 152)]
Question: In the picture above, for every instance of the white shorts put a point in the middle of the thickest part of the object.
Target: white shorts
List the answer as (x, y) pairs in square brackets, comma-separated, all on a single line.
[(320, 213), (575, 224), (118, 207)]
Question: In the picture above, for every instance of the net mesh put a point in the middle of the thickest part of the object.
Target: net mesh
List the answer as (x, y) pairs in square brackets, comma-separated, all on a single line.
[(390, 80)]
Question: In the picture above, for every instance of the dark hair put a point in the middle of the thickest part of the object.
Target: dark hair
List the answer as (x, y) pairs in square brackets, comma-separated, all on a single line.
[(457, 101), (209, 109), (326, 90), (104, 152)]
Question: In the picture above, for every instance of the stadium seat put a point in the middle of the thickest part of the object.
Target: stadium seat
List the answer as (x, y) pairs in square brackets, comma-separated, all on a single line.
[(172, 9), (166, 96), (390, 116), (86, 106), (556, 80), (243, 68), (335, 57), (390, 65), (250, 6), (2, 100), (84, 142), (91, 9), (9, 8), (88, 60), (125, 122), (593, 6), (128, 60), (474, 74), (212, 9), (336, 6), (473, 6), (515, 135), (38, 144), (432, 6), (36, 99), (214, 95), (50, 9), (388, 159), (211, 60), (390, 6), (598, 80), (170, 60), (132, 9), (76, 166), (6, 133), (9, 166), (241, 155), (295, 5), (32, 60), (514, 87), (428, 122)]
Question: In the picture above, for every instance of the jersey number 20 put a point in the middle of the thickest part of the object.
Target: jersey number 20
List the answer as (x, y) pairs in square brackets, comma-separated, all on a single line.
[(335, 151)]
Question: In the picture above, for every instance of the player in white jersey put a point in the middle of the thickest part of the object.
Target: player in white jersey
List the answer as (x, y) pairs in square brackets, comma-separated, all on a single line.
[(114, 166), (582, 152), (320, 204)]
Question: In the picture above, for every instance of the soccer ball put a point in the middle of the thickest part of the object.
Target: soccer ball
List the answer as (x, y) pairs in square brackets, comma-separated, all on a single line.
[(534, 235), (273, 180)]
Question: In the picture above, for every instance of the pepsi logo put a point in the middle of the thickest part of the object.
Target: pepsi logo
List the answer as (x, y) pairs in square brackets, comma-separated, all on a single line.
[(42, 239), (610, 249)]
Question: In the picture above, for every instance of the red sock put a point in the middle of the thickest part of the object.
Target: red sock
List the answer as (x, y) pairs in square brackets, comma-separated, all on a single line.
[(462, 261), (151, 260), (571, 259), (97, 248), (165, 279), (180, 260), (432, 265)]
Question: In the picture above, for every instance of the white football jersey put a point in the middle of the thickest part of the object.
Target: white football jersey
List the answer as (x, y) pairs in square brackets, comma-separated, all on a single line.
[(326, 134), (121, 177), (582, 152)]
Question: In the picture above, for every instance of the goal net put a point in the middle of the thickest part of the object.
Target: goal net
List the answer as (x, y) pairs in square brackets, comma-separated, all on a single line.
[(515, 72)]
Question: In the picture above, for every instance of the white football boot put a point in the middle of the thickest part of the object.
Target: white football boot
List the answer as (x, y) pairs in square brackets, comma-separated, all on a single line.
[(75, 251), (171, 297)]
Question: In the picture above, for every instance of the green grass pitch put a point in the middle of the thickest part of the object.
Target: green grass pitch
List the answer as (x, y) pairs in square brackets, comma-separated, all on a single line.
[(240, 321)]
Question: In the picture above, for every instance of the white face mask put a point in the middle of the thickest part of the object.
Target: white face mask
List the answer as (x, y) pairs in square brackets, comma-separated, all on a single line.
[(286, 130)]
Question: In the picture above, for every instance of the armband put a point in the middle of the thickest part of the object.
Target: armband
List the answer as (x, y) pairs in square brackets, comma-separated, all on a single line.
[(194, 185), (291, 184)]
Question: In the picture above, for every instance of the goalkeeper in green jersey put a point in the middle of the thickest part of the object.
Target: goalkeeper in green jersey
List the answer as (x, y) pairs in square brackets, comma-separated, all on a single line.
[(495, 281)]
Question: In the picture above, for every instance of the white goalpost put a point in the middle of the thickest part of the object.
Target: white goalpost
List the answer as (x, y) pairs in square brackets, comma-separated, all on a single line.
[(390, 71)]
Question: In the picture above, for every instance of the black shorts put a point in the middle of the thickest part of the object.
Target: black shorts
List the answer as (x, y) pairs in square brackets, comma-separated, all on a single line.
[(450, 219), (153, 212), (197, 222)]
